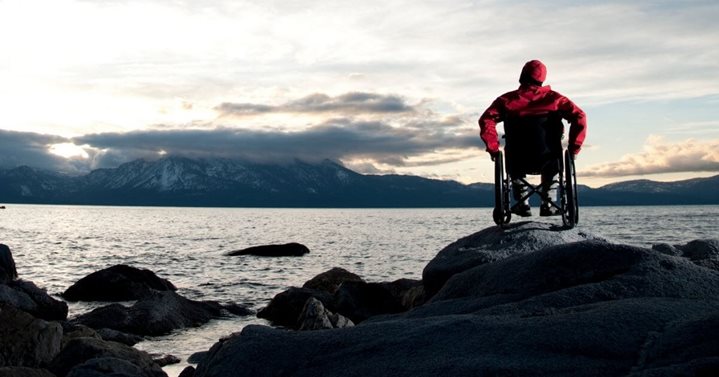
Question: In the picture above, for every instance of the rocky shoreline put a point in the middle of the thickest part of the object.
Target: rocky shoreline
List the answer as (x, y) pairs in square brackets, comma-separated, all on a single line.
[(531, 299)]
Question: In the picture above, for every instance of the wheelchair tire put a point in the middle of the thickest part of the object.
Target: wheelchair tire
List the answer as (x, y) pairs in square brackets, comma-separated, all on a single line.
[(570, 188), (501, 213)]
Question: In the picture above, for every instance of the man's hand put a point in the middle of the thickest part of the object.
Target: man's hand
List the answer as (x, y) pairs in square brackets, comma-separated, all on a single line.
[(493, 155)]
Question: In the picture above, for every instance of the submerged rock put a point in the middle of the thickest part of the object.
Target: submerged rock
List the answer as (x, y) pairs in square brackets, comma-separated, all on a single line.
[(158, 313), (26, 341), (569, 308), (292, 249), (165, 360), (117, 283)]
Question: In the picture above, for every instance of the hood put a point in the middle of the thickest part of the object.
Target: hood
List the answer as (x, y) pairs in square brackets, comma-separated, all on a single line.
[(535, 70)]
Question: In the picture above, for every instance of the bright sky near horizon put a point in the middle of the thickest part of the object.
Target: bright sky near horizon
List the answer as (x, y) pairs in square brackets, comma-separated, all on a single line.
[(383, 86)]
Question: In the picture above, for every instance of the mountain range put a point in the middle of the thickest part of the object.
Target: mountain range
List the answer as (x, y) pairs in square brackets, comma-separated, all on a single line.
[(179, 181)]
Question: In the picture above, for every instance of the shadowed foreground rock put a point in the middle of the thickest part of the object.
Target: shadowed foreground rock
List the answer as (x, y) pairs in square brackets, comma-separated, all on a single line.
[(82, 355), (26, 341), (156, 314), (7, 265), (292, 249), (117, 283), (587, 308)]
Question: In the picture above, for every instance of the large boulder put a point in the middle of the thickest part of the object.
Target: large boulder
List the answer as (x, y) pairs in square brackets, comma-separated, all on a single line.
[(117, 283), (285, 308), (80, 352), (493, 244), (26, 341), (581, 308), (330, 280), (26, 296), (7, 265), (158, 313), (292, 249)]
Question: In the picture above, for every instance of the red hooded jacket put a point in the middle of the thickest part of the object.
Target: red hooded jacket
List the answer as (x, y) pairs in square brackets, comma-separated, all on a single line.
[(532, 99)]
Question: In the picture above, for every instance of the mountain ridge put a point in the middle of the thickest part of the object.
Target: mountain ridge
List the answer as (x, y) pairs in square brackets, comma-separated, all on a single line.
[(182, 181)]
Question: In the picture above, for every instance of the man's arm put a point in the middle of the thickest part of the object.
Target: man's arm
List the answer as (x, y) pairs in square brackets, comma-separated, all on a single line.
[(577, 124), (488, 125)]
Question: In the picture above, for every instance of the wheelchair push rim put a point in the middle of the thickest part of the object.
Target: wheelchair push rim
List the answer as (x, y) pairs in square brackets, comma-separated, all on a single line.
[(570, 215), (501, 213)]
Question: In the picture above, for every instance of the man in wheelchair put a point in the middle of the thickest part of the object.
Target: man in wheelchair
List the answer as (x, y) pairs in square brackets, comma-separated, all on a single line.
[(533, 130)]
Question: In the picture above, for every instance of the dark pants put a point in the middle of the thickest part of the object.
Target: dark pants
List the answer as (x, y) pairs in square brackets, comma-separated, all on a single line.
[(550, 180)]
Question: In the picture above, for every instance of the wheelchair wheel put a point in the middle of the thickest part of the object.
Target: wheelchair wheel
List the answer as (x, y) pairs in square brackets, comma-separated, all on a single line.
[(501, 213), (571, 216)]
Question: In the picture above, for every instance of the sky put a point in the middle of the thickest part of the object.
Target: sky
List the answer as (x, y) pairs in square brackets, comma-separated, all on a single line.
[(391, 86)]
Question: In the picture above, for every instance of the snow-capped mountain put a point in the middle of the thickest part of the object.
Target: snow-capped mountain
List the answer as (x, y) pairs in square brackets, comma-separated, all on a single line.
[(222, 182)]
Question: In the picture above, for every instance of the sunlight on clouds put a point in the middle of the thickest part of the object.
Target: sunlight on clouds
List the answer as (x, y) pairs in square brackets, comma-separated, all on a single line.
[(661, 156), (68, 150)]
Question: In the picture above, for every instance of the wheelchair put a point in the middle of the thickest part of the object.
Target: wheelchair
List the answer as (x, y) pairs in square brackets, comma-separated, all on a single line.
[(533, 145)]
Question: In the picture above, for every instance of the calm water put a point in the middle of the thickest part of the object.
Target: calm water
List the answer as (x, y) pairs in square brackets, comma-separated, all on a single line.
[(55, 246)]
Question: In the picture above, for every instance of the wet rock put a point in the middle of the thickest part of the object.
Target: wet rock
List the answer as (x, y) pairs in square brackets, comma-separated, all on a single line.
[(286, 307), (117, 283), (329, 281), (8, 272), (584, 308), (165, 360), (26, 341), (187, 372), (157, 313), (237, 309), (315, 317), (493, 244), (292, 249), (119, 337), (24, 372), (197, 357), (72, 331), (44, 305), (78, 352)]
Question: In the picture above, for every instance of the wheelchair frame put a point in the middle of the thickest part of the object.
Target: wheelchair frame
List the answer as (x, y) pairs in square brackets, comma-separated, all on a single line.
[(567, 189)]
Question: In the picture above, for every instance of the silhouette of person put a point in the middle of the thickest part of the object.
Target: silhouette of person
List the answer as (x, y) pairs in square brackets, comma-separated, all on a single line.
[(532, 99)]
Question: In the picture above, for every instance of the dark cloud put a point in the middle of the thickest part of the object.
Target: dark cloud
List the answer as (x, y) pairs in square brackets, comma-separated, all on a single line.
[(349, 103), (31, 149), (339, 139)]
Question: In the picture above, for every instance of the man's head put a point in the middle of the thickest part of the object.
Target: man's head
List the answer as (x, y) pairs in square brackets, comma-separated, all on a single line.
[(534, 72)]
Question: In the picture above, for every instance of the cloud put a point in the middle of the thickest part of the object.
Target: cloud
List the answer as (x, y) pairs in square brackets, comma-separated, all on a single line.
[(32, 149), (348, 103), (660, 156), (339, 139)]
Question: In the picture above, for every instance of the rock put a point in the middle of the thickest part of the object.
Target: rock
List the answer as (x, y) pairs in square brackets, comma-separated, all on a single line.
[(197, 357), (330, 280), (8, 272), (585, 308), (187, 372), (359, 300), (108, 367), (117, 283), (315, 317), (667, 249), (158, 313), (285, 308), (28, 297), (492, 244), (71, 331), (238, 309), (26, 341), (700, 249), (46, 307), (119, 337), (165, 360), (24, 372), (81, 350), (286, 250)]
